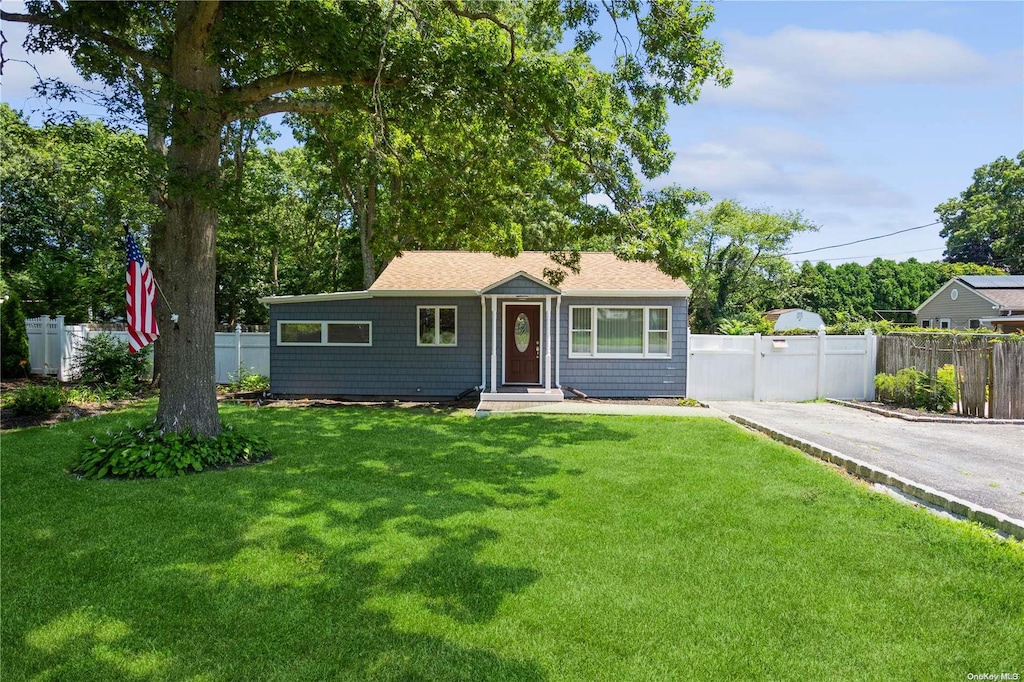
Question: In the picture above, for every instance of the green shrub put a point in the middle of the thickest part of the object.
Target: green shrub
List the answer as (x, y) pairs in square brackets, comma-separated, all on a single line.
[(36, 401), (912, 388), (13, 339), (745, 324), (105, 359), (246, 381), (149, 452)]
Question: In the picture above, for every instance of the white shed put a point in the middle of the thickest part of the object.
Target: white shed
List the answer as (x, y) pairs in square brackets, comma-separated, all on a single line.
[(794, 318)]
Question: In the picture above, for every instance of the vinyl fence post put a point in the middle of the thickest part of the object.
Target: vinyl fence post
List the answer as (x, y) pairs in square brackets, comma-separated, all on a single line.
[(819, 388), (61, 344), (870, 358), (238, 349), (757, 367)]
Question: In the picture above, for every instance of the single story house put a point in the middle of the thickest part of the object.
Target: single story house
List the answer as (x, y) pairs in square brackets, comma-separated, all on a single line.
[(437, 324), (794, 318), (972, 301)]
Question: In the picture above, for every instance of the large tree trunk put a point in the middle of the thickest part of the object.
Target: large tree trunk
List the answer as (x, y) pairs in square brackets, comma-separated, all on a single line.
[(187, 250)]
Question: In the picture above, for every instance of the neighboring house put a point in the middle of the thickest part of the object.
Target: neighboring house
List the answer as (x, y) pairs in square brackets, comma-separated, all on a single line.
[(437, 324), (794, 318), (973, 301)]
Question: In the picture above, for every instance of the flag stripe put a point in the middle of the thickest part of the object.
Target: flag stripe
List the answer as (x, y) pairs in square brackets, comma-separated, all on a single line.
[(140, 292)]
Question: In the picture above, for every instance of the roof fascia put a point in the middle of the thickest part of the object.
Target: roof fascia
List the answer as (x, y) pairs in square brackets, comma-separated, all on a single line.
[(310, 298), (521, 273)]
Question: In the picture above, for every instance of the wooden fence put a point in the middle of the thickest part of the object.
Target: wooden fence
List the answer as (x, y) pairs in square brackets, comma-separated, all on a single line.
[(989, 368)]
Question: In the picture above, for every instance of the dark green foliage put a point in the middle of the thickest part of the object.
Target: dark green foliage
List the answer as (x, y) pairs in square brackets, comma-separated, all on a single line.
[(985, 224), (13, 339), (36, 401), (912, 388), (150, 452), (105, 359)]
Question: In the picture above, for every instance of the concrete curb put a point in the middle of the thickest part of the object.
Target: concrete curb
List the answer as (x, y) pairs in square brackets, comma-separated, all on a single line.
[(916, 418), (950, 503)]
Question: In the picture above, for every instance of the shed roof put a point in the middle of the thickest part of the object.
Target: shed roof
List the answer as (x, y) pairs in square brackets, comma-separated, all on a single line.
[(475, 271)]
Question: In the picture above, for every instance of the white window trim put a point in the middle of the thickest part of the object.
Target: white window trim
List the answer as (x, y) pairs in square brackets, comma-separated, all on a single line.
[(645, 355), (437, 326), (323, 332), (948, 321)]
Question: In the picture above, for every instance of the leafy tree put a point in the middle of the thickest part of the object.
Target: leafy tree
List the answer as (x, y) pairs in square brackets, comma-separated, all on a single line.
[(13, 338), (985, 224), (221, 62), (740, 253), (66, 191)]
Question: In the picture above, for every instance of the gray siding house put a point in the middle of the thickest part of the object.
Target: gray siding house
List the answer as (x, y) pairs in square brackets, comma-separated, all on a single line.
[(973, 301), (437, 324)]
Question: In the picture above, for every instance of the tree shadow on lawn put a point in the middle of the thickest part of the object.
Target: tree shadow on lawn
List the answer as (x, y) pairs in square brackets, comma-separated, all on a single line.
[(362, 551)]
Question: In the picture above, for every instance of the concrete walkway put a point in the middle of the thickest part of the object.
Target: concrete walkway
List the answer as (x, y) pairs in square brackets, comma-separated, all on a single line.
[(586, 407), (982, 464)]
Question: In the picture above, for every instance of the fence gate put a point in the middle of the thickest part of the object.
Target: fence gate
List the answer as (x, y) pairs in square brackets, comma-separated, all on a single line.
[(781, 368)]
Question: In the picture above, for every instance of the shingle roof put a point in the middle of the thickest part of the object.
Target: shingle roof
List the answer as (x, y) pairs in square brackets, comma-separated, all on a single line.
[(993, 281), (474, 271), (1007, 298)]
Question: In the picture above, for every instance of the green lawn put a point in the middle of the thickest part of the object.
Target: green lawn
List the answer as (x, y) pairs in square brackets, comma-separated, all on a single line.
[(409, 545)]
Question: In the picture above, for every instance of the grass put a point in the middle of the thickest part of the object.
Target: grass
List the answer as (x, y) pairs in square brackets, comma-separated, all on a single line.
[(407, 545)]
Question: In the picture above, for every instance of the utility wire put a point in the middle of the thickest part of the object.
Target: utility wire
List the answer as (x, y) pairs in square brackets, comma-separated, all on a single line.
[(858, 241), (881, 255)]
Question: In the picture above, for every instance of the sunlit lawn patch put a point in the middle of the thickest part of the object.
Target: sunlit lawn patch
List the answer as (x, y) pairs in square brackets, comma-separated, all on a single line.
[(398, 544)]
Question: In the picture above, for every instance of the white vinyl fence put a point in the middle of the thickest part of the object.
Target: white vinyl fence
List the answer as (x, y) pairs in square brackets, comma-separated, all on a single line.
[(781, 368), (54, 348)]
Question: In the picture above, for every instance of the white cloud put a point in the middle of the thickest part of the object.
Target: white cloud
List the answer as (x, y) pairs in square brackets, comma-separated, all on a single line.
[(801, 69), (759, 162), (915, 56)]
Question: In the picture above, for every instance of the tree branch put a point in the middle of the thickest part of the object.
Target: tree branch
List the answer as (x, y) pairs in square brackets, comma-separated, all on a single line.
[(278, 105), (263, 88), (453, 5), (116, 45)]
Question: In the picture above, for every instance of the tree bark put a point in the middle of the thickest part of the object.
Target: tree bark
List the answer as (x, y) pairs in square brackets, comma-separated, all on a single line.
[(187, 250)]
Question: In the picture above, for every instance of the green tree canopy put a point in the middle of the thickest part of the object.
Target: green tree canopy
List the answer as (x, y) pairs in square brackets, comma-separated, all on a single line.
[(218, 62), (985, 224)]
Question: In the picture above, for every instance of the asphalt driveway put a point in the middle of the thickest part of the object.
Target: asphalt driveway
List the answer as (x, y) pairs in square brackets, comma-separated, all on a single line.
[(980, 463)]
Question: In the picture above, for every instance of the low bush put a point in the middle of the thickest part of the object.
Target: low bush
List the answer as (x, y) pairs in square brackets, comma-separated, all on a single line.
[(912, 388), (105, 359), (149, 452), (35, 401), (246, 381)]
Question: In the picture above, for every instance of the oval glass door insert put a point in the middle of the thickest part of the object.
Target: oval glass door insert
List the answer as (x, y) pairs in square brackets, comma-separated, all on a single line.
[(522, 332)]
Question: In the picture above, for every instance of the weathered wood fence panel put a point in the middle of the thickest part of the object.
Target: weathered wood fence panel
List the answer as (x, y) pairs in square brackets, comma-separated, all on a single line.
[(1008, 380), (971, 358), (989, 369)]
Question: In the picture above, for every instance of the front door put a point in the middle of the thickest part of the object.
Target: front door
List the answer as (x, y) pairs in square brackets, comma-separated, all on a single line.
[(522, 344)]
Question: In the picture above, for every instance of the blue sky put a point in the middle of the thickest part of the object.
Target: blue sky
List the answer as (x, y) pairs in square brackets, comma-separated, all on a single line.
[(862, 115)]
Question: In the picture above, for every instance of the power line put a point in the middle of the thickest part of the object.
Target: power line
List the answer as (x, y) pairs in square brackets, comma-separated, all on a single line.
[(859, 241), (881, 255)]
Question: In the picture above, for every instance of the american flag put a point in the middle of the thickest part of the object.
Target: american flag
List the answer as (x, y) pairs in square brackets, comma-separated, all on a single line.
[(140, 292)]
